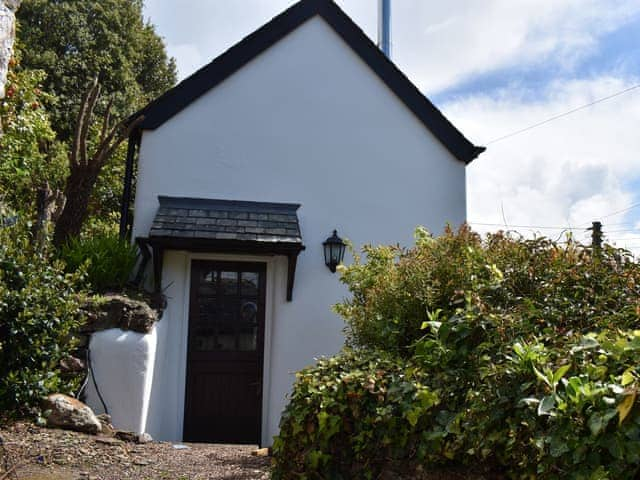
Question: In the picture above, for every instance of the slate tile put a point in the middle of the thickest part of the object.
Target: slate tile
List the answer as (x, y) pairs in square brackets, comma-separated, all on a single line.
[(197, 213), (255, 230), (226, 236), (278, 217), (206, 221), (247, 223), (206, 234), (161, 233), (217, 214), (247, 236)]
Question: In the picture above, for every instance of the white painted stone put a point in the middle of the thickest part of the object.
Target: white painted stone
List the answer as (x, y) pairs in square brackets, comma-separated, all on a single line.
[(123, 366)]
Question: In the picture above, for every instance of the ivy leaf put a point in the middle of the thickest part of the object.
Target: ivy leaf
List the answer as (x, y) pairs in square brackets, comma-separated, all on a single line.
[(625, 406), (546, 406), (560, 372), (542, 377), (627, 377)]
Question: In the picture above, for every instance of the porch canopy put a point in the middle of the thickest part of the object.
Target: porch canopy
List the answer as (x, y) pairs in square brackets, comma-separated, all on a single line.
[(225, 226)]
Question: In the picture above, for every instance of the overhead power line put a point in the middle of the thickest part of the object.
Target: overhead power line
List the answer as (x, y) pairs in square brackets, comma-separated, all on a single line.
[(540, 227), (556, 117), (630, 207), (631, 230), (623, 239)]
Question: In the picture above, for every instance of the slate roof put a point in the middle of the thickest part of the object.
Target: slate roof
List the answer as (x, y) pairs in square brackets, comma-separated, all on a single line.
[(191, 88), (198, 218)]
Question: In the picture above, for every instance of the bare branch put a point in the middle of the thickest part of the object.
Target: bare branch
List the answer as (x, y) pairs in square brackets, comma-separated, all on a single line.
[(106, 120), (84, 132), (75, 149), (70, 209), (117, 135)]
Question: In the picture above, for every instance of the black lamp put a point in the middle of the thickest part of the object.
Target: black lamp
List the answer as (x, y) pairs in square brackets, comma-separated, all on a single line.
[(334, 248)]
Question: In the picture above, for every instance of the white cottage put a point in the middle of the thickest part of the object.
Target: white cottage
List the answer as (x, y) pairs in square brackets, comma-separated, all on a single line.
[(244, 169)]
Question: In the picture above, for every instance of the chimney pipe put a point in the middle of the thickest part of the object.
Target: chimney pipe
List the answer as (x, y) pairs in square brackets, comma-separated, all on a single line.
[(384, 26)]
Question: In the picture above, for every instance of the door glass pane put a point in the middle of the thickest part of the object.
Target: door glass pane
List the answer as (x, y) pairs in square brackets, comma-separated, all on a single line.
[(207, 283), (228, 314), (249, 283), (227, 324), (248, 332), (204, 335), (229, 283)]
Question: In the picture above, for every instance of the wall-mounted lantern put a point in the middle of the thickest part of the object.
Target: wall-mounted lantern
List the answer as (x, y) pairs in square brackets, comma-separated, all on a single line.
[(334, 248)]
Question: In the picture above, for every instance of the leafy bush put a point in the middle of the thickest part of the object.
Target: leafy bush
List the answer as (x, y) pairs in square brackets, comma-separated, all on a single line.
[(39, 311), (30, 154), (108, 260), (531, 346), (353, 415)]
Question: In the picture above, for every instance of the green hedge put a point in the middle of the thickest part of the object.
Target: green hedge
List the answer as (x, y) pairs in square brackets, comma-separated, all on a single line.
[(353, 415), (39, 311), (531, 348)]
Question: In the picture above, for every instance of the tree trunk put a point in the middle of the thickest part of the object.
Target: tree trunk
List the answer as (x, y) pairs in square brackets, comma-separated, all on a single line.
[(49, 205), (78, 193)]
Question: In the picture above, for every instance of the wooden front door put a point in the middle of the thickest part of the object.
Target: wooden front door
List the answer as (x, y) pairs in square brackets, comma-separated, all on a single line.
[(224, 361)]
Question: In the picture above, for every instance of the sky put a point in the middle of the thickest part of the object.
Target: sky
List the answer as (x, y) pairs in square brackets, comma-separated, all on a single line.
[(495, 67)]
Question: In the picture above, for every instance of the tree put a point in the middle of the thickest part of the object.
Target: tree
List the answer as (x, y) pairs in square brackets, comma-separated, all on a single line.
[(32, 162), (75, 40), (85, 166)]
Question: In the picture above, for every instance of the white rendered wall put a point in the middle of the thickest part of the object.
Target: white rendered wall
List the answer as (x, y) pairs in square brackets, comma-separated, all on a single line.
[(305, 122)]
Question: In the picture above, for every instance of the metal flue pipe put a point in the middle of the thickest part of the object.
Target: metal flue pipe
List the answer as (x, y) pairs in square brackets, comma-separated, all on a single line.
[(384, 26)]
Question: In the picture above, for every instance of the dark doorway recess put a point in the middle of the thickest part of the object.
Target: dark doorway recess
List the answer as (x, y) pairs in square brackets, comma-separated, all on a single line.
[(223, 402)]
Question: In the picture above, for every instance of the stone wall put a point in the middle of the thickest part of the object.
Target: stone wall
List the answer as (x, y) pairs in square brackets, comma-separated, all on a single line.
[(7, 37)]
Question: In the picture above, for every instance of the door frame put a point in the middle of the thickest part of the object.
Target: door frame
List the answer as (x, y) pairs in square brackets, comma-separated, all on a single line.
[(275, 264)]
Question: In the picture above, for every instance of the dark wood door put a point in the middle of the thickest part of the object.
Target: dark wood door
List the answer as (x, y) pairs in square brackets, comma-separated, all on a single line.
[(224, 360)]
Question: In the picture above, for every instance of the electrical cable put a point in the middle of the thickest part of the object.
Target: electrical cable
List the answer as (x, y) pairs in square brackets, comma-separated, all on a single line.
[(95, 384), (569, 112), (631, 207), (541, 227)]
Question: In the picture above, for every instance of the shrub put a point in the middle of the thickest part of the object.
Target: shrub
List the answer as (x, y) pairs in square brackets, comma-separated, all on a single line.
[(531, 346), (108, 260), (39, 311), (352, 416)]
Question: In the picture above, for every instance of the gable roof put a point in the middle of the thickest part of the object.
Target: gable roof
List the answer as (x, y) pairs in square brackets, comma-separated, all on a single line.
[(191, 88)]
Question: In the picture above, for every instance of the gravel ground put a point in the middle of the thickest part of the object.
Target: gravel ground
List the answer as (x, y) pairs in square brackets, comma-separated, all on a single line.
[(47, 454)]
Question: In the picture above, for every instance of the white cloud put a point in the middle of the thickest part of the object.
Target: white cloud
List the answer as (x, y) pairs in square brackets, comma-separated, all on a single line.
[(565, 173), (438, 44)]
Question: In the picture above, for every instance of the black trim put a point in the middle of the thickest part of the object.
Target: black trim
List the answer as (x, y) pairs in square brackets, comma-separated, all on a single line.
[(179, 97), (134, 143), (160, 244)]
